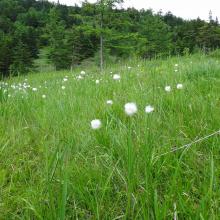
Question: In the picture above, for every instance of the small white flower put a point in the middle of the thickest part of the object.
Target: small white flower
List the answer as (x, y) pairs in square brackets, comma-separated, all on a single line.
[(96, 124), (97, 81), (176, 65), (34, 89), (116, 77), (167, 88), (79, 77), (82, 72), (149, 109), (65, 79), (130, 108), (176, 70), (179, 86), (109, 102), (129, 67), (63, 87), (44, 96)]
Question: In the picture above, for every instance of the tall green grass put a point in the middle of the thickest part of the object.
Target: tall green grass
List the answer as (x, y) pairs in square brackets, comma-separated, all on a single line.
[(54, 166)]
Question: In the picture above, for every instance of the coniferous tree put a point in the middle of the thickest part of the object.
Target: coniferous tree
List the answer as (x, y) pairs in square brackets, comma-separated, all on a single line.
[(59, 53)]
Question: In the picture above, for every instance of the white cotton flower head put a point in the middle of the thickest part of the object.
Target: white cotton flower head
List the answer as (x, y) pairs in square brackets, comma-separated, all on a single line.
[(179, 86), (63, 87), (65, 79), (168, 88), (149, 109), (34, 89), (129, 67), (116, 77), (96, 124), (130, 108), (109, 102), (79, 77), (44, 96), (97, 81), (176, 70), (176, 65), (82, 72)]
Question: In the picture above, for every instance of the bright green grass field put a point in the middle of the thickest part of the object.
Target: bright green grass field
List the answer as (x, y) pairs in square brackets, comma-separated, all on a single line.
[(53, 165)]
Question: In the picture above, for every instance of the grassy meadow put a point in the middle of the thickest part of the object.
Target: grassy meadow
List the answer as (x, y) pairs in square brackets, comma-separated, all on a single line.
[(53, 165)]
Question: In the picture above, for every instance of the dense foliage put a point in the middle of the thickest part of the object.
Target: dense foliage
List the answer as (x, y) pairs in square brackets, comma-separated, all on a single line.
[(73, 34)]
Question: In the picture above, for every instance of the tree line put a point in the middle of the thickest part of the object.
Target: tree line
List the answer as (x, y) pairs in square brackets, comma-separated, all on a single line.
[(73, 34)]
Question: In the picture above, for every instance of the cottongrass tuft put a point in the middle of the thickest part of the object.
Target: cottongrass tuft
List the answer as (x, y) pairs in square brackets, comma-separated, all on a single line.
[(130, 108), (79, 77), (96, 124), (109, 102), (168, 88), (44, 96), (63, 87), (179, 86), (149, 109), (116, 77)]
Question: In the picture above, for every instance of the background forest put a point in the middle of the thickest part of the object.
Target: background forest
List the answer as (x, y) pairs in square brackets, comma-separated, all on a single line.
[(69, 35)]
